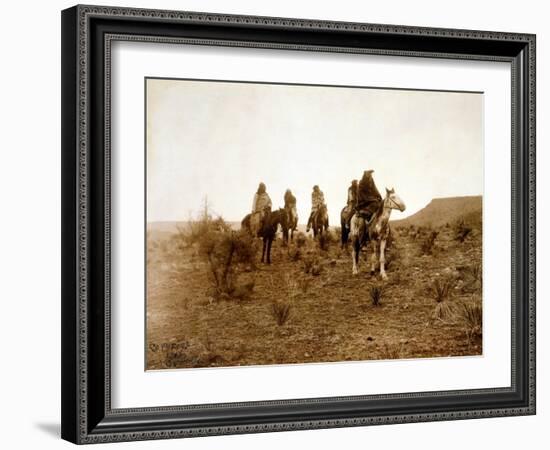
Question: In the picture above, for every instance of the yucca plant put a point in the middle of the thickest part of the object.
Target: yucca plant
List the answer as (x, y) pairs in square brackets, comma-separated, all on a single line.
[(281, 312), (441, 291), (472, 316)]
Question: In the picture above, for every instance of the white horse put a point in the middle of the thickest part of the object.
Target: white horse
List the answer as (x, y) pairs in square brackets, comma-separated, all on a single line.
[(375, 232)]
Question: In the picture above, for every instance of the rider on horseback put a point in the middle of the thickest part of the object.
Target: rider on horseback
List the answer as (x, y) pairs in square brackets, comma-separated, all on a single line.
[(260, 207), (317, 200), (368, 197), (290, 206), (351, 205)]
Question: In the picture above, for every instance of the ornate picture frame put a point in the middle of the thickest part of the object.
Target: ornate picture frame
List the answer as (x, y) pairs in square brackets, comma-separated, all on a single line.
[(87, 35)]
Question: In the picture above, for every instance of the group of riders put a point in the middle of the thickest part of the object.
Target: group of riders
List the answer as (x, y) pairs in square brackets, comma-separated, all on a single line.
[(363, 199)]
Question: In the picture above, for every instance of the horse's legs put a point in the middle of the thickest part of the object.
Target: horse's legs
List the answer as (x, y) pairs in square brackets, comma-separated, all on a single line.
[(355, 255), (373, 256), (269, 242), (343, 233), (263, 248), (383, 259)]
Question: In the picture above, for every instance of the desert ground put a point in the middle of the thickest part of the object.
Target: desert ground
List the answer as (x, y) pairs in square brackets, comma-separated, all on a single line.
[(307, 306)]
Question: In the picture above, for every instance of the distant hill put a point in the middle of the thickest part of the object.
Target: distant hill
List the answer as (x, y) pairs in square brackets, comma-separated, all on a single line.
[(446, 210)]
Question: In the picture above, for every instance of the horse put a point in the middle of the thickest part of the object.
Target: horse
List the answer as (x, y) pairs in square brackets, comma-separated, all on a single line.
[(375, 231), (320, 221), (344, 227), (291, 227), (268, 230)]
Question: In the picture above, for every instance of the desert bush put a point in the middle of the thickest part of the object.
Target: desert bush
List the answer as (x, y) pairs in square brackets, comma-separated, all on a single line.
[(441, 292), (476, 272), (300, 239), (242, 291), (472, 277), (392, 258), (304, 284), (292, 286), (308, 264), (281, 312), (326, 240), (312, 265), (428, 244), (462, 230), (375, 295), (392, 351), (316, 269), (471, 315), (224, 251), (295, 254)]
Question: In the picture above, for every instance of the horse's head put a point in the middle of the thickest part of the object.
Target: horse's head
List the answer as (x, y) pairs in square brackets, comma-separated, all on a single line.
[(393, 201)]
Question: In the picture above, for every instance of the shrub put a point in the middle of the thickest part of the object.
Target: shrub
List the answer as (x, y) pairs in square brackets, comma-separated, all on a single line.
[(223, 251), (472, 316), (428, 244), (441, 292), (304, 284), (194, 231), (316, 269), (300, 239), (462, 230), (295, 254), (392, 351), (281, 312), (392, 258), (476, 272), (375, 295), (325, 240), (292, 286), (311, 265)]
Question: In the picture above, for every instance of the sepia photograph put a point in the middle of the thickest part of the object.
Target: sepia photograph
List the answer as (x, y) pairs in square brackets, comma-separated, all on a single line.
[(294, 224)]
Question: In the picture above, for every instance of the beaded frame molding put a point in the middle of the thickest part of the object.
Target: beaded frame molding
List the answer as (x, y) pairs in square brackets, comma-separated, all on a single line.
[(87, 35)]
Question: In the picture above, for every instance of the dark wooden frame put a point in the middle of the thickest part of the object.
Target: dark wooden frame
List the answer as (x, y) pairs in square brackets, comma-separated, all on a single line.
[(87, 32)]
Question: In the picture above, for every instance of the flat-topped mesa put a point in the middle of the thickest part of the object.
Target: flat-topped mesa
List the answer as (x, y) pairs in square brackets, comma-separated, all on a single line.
[(446, 210)]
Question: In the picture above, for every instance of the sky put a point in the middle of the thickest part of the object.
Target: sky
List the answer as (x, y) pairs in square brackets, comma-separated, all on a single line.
[(219, 140)]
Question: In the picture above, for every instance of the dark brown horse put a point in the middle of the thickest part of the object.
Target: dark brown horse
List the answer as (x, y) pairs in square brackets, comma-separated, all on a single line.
[(291, 226), (268, 230), (320, 221)]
